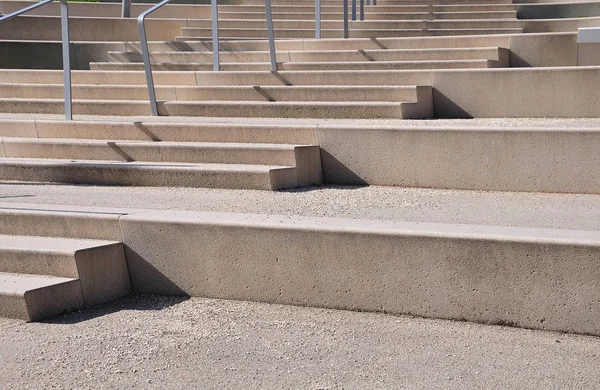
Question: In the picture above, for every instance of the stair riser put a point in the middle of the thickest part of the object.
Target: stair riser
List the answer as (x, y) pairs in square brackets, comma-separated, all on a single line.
[(462, 6), (213, 110), (256, 34), (138, 176), (115, 151), (408, 14), (291, 66), (43, 303), (323, 56), (259, 94), (422, 23), (174, 132), (318, 111), (38, 263)]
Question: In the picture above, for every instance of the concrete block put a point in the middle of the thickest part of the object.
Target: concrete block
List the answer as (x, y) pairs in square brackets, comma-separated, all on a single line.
[(543, 50), (34, 297), (518, 93), (473, 273), (534, 160)]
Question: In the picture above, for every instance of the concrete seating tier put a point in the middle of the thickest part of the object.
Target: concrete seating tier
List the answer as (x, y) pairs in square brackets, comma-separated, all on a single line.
[(41, 277), (205, 160)]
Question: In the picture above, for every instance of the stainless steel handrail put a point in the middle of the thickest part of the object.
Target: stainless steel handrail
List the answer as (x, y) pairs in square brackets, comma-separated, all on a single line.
[(215, 36), (146, 55), (66, 50)]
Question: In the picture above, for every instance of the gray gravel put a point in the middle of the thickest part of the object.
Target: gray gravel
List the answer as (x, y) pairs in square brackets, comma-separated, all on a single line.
[(578, 212), (569, 123), (148, 342)]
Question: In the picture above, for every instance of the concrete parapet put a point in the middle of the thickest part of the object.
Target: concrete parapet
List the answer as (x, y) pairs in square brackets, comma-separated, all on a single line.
[(535, 160), (543, 279), (570, 92)]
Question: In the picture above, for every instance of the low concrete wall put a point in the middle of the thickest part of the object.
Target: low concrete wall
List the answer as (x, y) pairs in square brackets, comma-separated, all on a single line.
[(536, 160), (558, 10), (543, 279), (572, 92), (543, 50)]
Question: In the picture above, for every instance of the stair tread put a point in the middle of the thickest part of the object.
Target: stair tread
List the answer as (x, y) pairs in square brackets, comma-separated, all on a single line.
[(144, 164), (19, 284), (48, 244), (215, 145)]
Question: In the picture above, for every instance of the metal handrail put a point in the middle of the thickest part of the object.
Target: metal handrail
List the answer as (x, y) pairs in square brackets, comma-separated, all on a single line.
[(215, 36), (66, 50)]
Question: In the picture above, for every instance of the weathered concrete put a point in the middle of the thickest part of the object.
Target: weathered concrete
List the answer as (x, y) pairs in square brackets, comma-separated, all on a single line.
[(472, 273)]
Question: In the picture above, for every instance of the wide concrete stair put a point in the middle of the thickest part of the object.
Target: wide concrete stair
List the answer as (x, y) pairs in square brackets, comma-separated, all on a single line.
[(86, 153), (41, 277), (387, 19), (298, 94), (361, 59)]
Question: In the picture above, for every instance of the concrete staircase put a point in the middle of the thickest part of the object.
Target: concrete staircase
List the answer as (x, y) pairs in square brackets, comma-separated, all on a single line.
[(41, 277), (190, 156), (392, 18)]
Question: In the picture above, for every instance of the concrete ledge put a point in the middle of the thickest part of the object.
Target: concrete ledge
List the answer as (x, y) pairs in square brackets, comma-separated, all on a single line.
[(537, 160), (543, 279), (535, 278), (570, 92)]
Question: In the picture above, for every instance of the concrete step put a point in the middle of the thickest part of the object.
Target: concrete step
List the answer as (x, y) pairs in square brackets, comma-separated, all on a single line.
[(291, 9), (223, 78), (36, 297), (389, 43), (321, 66), (97, 268), (492, 53), (164, 151), (422, 13), (290, 109), (422, 23), (161, 131), (194, 33), (259, 177), (217, 93)]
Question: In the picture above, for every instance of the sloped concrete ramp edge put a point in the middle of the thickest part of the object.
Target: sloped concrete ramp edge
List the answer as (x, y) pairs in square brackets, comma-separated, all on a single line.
[(534, 278)]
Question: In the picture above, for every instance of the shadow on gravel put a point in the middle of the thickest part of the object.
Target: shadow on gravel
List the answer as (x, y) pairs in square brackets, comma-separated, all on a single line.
[(323, 187), (134, 302)]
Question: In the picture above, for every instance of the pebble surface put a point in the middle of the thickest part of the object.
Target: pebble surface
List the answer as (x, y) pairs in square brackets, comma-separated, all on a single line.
[(150, 342)]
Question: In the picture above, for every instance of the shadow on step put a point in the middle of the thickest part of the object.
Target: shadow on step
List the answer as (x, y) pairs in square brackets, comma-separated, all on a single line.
[(134, 302)]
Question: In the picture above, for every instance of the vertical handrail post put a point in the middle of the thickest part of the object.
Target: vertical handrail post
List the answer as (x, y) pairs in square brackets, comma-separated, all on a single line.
[(362, 10), (126, 9), (318, 19), (353, 10), (271, 33), (215, 34), (66, 53), (346, 30)]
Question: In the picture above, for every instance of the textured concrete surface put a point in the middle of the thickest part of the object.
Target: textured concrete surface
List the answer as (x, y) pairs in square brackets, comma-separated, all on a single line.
[(147, 342), (566, 211)]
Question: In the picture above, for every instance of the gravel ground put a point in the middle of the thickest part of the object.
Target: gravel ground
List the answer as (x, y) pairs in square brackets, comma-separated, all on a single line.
[(147, 342), (578, 212), (477, 122)]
